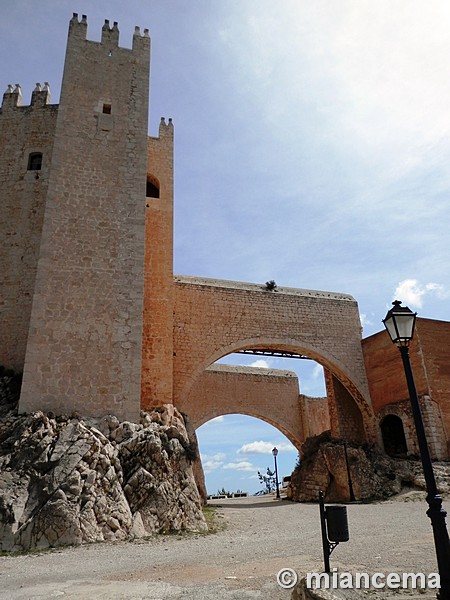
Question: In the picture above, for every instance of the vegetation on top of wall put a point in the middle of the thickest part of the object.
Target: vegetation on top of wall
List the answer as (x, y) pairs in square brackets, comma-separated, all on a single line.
[(271, 286)]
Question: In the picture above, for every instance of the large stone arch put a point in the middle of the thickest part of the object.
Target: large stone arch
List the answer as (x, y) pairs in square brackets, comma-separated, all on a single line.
[(214, 318)]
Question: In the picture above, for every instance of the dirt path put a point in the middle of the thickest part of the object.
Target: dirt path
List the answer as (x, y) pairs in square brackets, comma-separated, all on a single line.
[(262, 536)]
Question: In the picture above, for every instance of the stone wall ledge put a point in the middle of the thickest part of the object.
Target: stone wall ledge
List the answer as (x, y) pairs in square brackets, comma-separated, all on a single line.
[(255, 287)]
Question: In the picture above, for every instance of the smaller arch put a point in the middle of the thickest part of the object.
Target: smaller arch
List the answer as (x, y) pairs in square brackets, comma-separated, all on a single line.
[(153, 187), (34, 161), (393, 434)]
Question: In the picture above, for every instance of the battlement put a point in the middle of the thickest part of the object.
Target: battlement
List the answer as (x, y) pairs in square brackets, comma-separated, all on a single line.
[(12, 98), (165, 129), (110, 35)]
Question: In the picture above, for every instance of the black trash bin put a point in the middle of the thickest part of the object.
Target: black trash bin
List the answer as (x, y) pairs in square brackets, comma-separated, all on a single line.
[(337, 523)]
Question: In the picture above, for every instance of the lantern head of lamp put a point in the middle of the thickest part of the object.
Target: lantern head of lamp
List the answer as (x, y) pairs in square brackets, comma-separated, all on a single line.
[(275, 451), (399, 322)]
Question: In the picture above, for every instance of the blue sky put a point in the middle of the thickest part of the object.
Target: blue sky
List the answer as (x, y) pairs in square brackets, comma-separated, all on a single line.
[(312, 140)]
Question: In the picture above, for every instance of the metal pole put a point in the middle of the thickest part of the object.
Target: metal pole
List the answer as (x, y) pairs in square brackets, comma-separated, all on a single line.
[(276, 476), (350, 484), (325, 542), (435, 511)]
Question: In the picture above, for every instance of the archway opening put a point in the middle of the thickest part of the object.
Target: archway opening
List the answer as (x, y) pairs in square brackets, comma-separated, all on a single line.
[(234, 447), (393, 434), (309, 372)]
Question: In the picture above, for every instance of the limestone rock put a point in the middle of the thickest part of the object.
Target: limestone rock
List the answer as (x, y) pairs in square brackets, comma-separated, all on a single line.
[(69, 481), (374, 475)]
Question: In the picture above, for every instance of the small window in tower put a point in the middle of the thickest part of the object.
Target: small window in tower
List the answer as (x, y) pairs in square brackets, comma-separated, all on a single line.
[(107, 109), (35, 161), (152, 187)]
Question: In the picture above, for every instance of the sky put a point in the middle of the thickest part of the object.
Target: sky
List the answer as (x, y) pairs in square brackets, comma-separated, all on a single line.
[(312, 147)]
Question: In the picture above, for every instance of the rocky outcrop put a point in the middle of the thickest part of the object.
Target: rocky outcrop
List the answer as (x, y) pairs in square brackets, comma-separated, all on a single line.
[(72, 481), (374, 476)]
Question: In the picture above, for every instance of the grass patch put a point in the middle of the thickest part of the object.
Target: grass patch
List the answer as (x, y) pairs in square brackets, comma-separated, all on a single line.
[(214, 519)]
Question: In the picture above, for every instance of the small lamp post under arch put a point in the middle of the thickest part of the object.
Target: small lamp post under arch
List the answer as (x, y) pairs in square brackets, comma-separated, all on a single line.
[(275, 454), (399, 322)]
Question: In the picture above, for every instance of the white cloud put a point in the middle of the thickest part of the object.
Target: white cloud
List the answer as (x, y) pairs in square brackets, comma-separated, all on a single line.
[(317, 371), (243, 465), (218, 456), (260, 364), (211, 465), (212, 462), (365, 321), (410, 291), (265, 448)]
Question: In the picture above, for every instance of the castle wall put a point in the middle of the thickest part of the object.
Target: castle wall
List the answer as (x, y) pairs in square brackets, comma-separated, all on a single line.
[(89, 307), (23, 130), (85, 339), (157, 353)]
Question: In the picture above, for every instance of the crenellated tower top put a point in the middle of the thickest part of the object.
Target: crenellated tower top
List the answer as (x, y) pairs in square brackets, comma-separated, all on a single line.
[(110, 35)]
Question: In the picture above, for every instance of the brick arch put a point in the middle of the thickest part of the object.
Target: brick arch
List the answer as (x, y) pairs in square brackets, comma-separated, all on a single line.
[(215, 318)]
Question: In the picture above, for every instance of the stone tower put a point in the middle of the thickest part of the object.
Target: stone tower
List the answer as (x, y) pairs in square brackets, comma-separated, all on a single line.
[(84, 343)]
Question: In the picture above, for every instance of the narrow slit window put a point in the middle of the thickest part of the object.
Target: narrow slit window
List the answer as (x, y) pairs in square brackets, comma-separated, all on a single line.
[(35, 161)]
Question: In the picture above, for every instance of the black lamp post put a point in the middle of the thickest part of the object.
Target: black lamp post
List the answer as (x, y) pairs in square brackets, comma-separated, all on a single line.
[(275, 454), (399, 322)]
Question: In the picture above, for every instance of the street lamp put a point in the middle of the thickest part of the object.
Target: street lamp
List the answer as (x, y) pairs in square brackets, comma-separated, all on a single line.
[(399, 322), (275, 454)]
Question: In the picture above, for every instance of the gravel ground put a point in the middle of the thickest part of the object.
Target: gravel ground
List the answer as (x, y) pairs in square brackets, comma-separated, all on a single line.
[(260, 536)]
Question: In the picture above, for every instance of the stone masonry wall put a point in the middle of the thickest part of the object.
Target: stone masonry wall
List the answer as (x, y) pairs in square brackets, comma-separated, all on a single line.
[(157, 351), (23, 130), (84, 348), (432, 420), (434, 343), (316, 415)]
